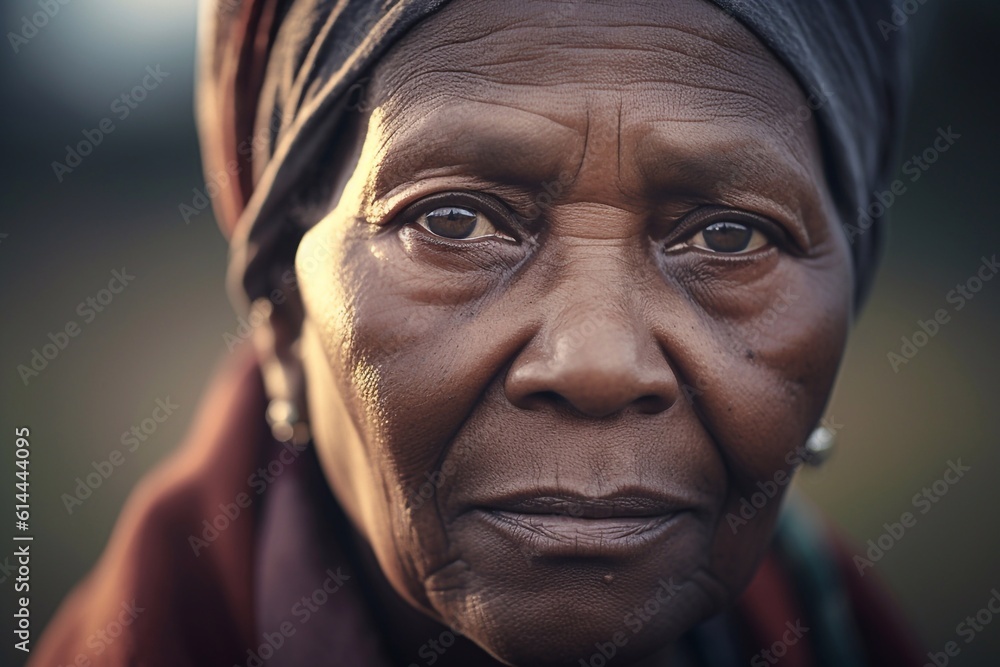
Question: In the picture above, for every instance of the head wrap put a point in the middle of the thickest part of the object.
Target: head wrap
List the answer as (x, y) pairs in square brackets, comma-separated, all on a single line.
[(275, 76)]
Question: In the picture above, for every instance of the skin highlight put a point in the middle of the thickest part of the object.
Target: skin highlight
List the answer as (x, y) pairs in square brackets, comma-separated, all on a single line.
[(590, 389)]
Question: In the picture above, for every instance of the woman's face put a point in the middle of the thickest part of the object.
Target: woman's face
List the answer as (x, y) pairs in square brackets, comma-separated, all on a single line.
[(583, 290)]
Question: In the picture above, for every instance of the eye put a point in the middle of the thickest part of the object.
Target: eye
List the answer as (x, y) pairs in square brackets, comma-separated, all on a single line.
[(729, 237), (726, 237), (459, 223)]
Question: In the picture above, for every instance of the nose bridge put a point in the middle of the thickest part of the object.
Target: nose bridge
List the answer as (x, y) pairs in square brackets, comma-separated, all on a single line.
[(594, 350), (596, 305), (591, 320)]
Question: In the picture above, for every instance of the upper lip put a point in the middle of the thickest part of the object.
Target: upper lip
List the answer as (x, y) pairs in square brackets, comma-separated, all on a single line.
[(633, 503)]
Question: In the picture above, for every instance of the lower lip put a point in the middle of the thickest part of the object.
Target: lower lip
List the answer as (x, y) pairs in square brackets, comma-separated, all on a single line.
[(561, 536)]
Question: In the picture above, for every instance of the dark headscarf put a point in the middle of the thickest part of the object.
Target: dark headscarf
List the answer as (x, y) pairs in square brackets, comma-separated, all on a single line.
[(276, 75)]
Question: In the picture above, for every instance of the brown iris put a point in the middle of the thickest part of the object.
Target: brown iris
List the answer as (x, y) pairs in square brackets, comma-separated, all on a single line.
[(727, 236), (451, 222)]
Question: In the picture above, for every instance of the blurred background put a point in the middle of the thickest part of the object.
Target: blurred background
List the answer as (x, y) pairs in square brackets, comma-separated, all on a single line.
[(118, 209)]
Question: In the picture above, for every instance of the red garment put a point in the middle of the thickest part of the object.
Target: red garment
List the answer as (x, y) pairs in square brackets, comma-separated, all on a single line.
[(195, 610), (159, 596)]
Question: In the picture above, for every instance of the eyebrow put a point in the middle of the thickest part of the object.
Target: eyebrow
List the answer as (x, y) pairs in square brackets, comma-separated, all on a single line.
[(527, 149), (523, 148), (667, 157), (740, 170)]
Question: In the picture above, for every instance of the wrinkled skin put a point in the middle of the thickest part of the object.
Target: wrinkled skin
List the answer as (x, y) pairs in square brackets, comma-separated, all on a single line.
[(585, 345)]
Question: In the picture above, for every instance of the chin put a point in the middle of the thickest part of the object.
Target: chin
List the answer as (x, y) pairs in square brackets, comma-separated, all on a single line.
[(538, 598)]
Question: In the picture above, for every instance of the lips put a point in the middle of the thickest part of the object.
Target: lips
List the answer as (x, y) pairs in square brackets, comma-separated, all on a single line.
[(560, 525), (622, 505)]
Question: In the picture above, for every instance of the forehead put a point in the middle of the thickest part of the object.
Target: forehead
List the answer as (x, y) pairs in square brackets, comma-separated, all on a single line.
[(528, 80), (480, 49)]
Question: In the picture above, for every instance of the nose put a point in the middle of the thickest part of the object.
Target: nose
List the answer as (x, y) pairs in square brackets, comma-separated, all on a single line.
[(599, 362)]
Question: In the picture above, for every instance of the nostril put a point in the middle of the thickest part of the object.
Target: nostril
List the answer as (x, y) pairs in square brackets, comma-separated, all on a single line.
[(538, 399), (651, 404), (648, 404)]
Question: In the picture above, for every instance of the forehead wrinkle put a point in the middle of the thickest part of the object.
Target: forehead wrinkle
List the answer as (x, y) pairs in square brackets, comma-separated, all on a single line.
[(450, 116), (497, 39), (551, 64), (469, 96), (725, 87), (565, 103), (726, 59), (715, 25), (448, 137)]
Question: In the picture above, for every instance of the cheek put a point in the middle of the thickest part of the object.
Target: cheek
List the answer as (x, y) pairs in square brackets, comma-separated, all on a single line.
[(763, 344), (765, 363), (372, 424)]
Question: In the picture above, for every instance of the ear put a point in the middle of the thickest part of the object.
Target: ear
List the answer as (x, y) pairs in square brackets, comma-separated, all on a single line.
[(276, 341), (280, 316)]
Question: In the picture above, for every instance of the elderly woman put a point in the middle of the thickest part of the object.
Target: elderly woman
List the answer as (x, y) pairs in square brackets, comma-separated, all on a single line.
[(547, 300)]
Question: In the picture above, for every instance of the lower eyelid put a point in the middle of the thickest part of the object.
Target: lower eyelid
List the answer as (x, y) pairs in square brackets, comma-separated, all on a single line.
[(424, 235)]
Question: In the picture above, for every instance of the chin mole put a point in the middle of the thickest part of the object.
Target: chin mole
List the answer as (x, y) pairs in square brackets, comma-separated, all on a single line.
[(608, 578)]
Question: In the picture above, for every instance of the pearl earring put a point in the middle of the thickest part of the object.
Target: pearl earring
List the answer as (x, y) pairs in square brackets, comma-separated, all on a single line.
[(819, 447), (283, 417)]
